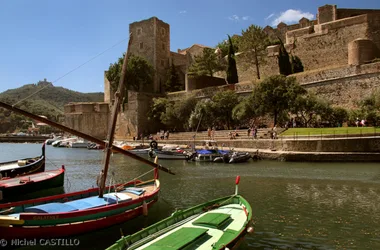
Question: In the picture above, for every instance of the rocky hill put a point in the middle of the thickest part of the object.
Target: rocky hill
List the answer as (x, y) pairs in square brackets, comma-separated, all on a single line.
[(48, 101)]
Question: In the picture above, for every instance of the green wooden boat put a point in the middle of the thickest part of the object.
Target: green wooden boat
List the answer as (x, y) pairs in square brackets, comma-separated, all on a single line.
[(217, 224)]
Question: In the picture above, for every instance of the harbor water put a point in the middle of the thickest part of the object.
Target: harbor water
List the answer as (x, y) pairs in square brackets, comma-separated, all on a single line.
[(295, 205)]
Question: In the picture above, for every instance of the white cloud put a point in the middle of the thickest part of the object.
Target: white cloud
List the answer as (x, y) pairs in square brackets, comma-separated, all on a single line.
[(236, 18), (292, 16), (183, 12), (269, 16)]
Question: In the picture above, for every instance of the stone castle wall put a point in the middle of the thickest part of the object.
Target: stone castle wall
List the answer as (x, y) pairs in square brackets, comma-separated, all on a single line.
[(342, 86), (151, 40), (88, 118), (133, 120), (318, 46)]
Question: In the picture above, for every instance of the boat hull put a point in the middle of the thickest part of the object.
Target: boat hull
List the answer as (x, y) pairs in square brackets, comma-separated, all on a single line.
[(167, 155), (38, 222), (26, 185), (220, 230), (32, 165), (72, 229)]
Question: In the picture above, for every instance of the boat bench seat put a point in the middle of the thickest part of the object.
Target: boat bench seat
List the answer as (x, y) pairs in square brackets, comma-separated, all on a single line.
[(212, 220), (86, 203), (80, 204), (112, 198), (136, 191), (228, 236), (51, 208), (179, 239)]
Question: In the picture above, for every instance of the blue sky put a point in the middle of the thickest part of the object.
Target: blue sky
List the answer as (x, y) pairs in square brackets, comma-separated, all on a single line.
[(48, 38)]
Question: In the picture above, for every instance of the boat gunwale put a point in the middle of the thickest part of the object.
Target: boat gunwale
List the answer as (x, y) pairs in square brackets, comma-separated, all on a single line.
[(127, 239), (57, 173), (79, 213)]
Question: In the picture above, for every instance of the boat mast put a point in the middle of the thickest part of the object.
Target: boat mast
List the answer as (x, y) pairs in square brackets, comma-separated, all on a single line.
[(119, 97)]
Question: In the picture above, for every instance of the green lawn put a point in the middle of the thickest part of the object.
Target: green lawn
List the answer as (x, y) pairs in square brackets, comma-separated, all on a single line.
[(330, 131)]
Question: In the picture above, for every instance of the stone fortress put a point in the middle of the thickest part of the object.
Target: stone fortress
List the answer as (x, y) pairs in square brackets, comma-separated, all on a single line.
[(337, 50)]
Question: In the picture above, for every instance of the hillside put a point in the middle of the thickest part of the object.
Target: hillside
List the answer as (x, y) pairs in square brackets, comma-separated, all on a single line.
[(49, 101)]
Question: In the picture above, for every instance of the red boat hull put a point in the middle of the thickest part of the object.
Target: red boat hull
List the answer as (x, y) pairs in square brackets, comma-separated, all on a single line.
[(66, 230)]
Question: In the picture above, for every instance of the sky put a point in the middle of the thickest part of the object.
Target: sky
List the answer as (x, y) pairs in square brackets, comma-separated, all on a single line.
[(52, 38)]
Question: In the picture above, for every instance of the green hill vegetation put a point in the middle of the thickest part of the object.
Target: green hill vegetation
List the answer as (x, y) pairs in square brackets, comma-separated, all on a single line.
[(49, 101)]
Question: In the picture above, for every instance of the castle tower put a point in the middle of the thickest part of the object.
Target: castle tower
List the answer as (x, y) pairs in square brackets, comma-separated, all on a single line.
[(151, 40)]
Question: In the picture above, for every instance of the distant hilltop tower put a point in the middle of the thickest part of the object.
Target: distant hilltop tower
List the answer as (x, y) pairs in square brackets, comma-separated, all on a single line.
[(151, 40)]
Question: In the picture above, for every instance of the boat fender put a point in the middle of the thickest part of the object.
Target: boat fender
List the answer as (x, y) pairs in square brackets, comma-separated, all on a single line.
[(153, 144), (250, 230), (151, 154), (145, 208)]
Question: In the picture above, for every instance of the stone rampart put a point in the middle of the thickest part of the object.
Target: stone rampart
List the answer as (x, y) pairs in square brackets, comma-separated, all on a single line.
[(89, 118), (343, 86), (133, 119), (200, 82)]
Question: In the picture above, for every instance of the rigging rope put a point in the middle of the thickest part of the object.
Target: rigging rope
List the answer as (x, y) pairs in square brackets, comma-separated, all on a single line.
[(71, 71)]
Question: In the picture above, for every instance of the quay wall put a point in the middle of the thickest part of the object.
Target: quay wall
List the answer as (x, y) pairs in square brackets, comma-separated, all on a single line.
[(346, 145), (22, 139)]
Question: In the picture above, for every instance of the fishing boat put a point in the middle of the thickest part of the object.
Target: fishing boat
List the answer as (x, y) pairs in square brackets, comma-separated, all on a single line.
[(51, 140), (207, 155), (168, 155), (238, 157), (11, 187), (234, 157), (84, 211), (140, 151), (217, 224), (24, 166)]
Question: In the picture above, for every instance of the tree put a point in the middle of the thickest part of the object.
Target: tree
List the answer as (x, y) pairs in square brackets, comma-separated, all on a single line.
[(157, 109), (297, 65), (223, 104), (253, 43), (284, 60), (176, 114), (139, 73), (275, 95), (202, 114), (232, 75), (338, 116), (370, 107), (173, 83), (206, 64), (308, 107), (225, 45), (244, 111)]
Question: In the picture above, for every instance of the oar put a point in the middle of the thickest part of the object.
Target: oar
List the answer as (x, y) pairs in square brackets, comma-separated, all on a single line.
[(84, 136)]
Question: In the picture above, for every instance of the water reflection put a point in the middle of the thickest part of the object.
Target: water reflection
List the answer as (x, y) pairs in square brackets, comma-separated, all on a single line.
[(336, 196), (295, 205)]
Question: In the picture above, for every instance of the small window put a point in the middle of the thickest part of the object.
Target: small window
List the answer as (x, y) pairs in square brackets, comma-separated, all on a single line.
[(163, 63), (163, 31), (141, 45), (164, 46), (139, 31)]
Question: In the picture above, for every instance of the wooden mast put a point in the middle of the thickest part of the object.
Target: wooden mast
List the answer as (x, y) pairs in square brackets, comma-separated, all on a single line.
[(119, 97)]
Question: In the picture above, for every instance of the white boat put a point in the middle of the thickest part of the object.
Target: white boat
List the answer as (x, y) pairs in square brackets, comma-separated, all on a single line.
[(207, 155), (168, 155), (51, 140), (78, 144), (140, 151), (63, 142)]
